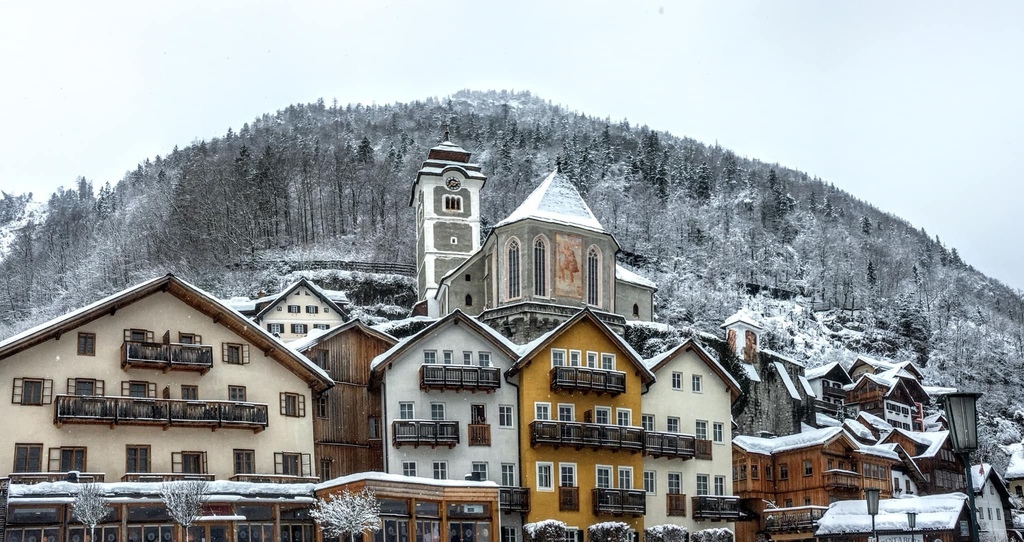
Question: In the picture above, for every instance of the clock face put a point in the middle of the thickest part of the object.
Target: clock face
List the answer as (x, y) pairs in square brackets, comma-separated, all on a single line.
[(452, 183)]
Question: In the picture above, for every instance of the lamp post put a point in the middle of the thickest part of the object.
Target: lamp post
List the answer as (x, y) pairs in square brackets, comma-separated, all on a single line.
[(912, 524), (871, 496), (962, 416)]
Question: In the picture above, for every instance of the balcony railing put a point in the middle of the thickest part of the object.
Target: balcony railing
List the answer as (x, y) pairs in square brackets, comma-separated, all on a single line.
[(716, 507), (164, 412), (165, 476), (587, 379), (675, 504), (842, 480), (702, 449), (166, 357), (460, 377), (568, 499), (514, 499), (586, 435), (671, 445), (39, 477), (479, 434), (826, 407), (274, 478), (798, 518), (425, 433), (619, 501)]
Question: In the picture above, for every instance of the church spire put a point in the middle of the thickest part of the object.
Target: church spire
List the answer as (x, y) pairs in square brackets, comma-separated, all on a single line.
[(447, 134)]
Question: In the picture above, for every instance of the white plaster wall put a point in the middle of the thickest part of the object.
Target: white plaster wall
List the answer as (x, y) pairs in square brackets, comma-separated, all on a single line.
[(987, 502), (303, 298)]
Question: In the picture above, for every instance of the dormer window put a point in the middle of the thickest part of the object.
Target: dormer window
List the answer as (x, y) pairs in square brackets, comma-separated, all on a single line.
[(452, 204)]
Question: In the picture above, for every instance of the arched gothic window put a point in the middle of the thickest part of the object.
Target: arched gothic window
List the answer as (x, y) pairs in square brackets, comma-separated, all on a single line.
[(593, 276), (513, 269), (540, 267)]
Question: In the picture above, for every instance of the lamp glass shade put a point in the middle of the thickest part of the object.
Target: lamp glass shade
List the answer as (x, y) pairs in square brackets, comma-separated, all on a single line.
[(912, 520), (962, 416), (871, 496)]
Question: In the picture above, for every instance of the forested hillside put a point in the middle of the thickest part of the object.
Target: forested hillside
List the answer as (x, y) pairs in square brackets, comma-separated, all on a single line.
[(834, 275)]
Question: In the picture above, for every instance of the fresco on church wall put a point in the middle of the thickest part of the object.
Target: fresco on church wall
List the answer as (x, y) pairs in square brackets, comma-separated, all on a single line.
[(568, 269)]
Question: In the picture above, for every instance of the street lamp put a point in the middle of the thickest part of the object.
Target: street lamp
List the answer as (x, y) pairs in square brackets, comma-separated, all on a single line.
[(871, 496), (962, 416), (912, 523)]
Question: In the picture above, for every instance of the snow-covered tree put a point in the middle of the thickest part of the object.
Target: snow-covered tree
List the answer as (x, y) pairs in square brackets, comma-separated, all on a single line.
[(666, 533), (609, 531), (90, 507), (713, 535), (184, 500), (347, 513), (548, 530)]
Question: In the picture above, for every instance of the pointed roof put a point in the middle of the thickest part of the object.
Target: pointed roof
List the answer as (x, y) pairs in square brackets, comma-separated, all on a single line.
[(833, 370), (805, 439), (557, 201), (744, 317), (291, 288), (689, 345), (192, 296)]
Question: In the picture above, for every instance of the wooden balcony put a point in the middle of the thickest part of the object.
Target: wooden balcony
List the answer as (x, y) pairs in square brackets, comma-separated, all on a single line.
[(586, 435), (166, 476), (425, 433), (460, 377), (479, 434), (274, 478), (671, 445), (716, 507), (702, 448), (113, 411), (675, 504), (842, 480), (798, 518), (514, 499), (568, 499), (586, 379), (39, 477), (166, 357), (619, 502), (828, 408)]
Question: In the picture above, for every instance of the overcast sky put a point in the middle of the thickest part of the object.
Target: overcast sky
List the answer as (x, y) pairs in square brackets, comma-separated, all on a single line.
[(913, 107)]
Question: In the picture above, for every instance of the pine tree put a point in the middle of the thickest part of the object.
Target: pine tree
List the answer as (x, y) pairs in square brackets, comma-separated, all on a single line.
[(865, 225), (702, 190)]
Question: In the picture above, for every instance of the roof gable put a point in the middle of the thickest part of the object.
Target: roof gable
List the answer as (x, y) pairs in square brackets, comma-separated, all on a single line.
[(658, 362), (353, 325), (283, 296), (557, 201)]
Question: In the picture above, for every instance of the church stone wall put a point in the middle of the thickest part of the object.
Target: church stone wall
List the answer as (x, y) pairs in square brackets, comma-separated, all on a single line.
[(627, 295)]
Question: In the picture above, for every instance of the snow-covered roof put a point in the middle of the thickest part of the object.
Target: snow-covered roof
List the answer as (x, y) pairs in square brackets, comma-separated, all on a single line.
[(511, 349), (387, 477), (306, 283), (874, 421), (934, 513), (742, 316), (935, 391), (218, 490), (858, 430), (751, 372), (316, 336), (240, 304), (784, 376), (625, 275), (888, 451), (822, 370), (1015, 469), (768, 446), (782, 356), (980, 474), (932, 439), (808, 390), (824, 420), (556, 200), (713, 363)]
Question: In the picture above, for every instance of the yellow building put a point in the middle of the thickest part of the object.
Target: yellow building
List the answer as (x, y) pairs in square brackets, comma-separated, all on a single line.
[(581, 453)]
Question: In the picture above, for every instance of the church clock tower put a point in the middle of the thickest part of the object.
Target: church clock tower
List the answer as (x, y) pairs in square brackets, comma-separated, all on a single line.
[(446, 195)]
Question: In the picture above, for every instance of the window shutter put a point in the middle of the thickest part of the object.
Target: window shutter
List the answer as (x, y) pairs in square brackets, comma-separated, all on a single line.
[(307, 465), (99, 388), (278, 463), (47, 391), (588, 416), (149, 336), (152, 390), (54, 460), (19, 385), (223, 351), (72, 386), (175, 461), (302, 406), (198, 339), (126, 387), (245, 354), (205, 468), (127, 334), (284, 403), (167, 337)]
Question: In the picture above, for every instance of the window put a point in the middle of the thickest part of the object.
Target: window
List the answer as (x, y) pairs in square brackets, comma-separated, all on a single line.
[(672, 424), (592, 360), (719, 485), (513, 269), (299, 329), (290, 463), (540, 266), (477, 414), (625, 477), (189, 338), (293, 405), (86, 344), (85, 386), (783, 471), (189, 393), (448, 357), (623, 417), (437, 411), (467, 357), (32, 391), (408, 468), (312, 309), (505, 417), (567, 474), (647, 422), (702, 484), (245, 461), (608, 362), (649, 482), (275, 328), (702, 430), (188, 462), (373, 427), (697, 383), (557, 357), (542, 411), (279, 308), (574, 358), (544, 481), (440, 470), (484, 358), (429, 357), (768, 472), (322, 406), (602, 415), (469, 300), (566, 413), (603, 478), (508, 534), (675, 483), (67, 459), (236, 354), (28, 457), (406, 410), (137, 388), (808, 467), (236, 393), (136, 458), (593, 275), (479, 471), (508, 475), (677, 381), (138, 335), (294, 309), (718, 432), (322, 326), (452, 204), (754, 475), (636, 310), (325, 470)]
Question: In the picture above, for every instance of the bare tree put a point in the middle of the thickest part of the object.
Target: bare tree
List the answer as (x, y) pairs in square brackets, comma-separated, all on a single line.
[(184, 500), (90, 507), (348, 513)]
